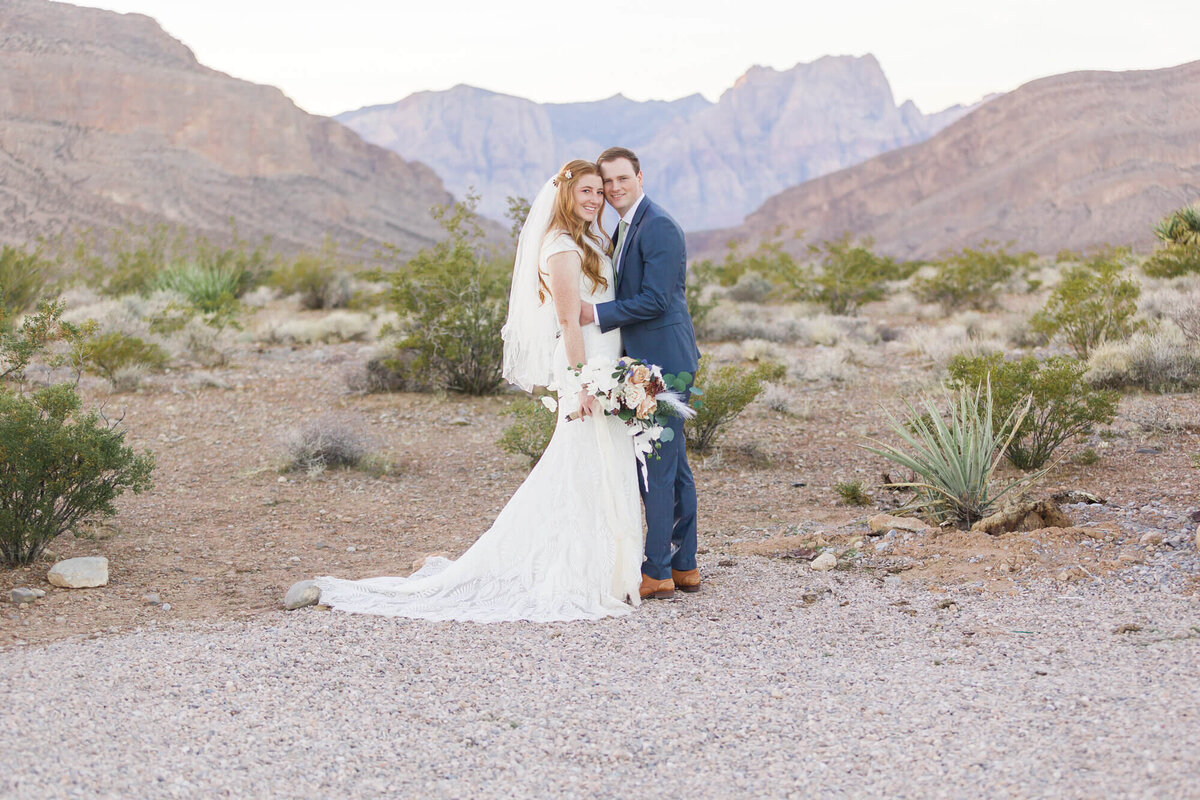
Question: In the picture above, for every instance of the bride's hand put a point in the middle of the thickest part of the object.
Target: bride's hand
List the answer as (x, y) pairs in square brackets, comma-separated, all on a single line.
[(587, 404)]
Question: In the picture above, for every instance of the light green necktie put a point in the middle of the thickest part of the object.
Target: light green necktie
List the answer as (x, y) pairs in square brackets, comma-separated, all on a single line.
[(622, 226)]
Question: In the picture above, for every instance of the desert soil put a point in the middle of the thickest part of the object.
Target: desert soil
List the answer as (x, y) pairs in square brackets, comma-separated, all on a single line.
[(994, 661)]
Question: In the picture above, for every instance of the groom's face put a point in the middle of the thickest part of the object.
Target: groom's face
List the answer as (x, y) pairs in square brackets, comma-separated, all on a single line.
[(622, 186)]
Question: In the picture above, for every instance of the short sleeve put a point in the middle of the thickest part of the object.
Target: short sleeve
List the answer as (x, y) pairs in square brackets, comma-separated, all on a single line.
[(558, 242)]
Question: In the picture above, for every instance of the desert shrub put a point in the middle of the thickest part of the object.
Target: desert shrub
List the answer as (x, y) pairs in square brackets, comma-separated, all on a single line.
[(1062, 405), (529, 434), (337, 326), (136, 258), (1180, 255), (200, 336), (971, 278), (848, 274), (328, 442), (211, 288), (316, 278), (727, 392), (954, 457), (751, 288), (769, 261), (58, 467), (1092, 304), (23, 279), (113, 353), (1185, 313), (454, 299), (852, 493), (1163, 361)]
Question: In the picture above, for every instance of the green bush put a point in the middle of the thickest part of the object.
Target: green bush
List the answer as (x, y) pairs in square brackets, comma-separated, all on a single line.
[(1180, 255), (1062, 404), (454, 299), (136, 258), (110, 353), (1092, 303), (954, 458), (971, 278), (769, 260), (727, 392), (1181, 227), (58, 468), (529, 434), (316, 277), (211, 288), (849, 274), (852, 493), (23, 279)]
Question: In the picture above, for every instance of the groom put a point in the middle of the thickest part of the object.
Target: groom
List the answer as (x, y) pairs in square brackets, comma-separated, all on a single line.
[(651, 310)]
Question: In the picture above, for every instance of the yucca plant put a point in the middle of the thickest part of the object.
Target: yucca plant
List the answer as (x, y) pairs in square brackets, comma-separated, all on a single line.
[(1180, 227), (954, 458), (210, 288)]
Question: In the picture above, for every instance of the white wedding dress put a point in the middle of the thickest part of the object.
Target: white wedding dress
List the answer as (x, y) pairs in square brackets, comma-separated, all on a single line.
[(567, 546)]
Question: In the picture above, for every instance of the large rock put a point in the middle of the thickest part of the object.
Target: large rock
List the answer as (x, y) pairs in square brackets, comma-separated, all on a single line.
[(303, 593), (1030, 516), (824, 562), (107, 120), (1072, 161), (79, 573), (882, 523)]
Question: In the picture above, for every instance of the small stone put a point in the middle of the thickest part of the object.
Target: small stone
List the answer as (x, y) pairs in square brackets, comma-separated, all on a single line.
[(304, 593), (892, 580), (152, 599), (320, 545), (459, 421), (883, 547), (1062, 577), (1198, 537), (23, 595), (726, 562), (38, 592), (1128, 627), (882, 523), (294, 559), (79, 573), (824, 562), (351, 549), (1151, 538), (281, 479), (165, 606)]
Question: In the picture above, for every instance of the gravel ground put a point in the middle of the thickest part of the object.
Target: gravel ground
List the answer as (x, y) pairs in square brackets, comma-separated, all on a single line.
[(776, 681)]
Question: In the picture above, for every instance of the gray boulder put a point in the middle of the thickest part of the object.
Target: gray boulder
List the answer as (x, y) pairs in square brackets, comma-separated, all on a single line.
[(303, 593), (80, 573)]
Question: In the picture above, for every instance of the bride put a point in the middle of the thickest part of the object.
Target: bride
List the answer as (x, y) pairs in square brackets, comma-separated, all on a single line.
[(568, 545)]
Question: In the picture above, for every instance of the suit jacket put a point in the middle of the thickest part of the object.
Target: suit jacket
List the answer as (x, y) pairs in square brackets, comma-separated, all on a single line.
[(650, 306)]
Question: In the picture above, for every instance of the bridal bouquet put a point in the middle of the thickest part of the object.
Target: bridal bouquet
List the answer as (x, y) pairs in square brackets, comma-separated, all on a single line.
[(639, 395)]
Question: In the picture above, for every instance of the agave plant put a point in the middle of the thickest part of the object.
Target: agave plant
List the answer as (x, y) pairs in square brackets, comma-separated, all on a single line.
[(1180, 227), (954, 457)]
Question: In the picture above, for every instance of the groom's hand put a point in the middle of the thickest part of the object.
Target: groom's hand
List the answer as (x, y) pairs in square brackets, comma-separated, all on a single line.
[(587, 314)]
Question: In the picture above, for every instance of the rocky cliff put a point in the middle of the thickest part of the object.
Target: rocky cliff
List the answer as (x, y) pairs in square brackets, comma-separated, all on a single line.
[(708, 163), (1071, 161), (104, 119)]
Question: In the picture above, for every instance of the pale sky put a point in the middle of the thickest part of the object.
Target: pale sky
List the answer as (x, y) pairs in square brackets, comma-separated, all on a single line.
[(331, 57)]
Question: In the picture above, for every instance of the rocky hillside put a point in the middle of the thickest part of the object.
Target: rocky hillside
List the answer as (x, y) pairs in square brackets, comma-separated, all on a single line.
[(709, 163), (104, 118), (1072, 161)]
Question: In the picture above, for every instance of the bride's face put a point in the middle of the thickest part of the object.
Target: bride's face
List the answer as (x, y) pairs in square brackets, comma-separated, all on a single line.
[(589, 197)]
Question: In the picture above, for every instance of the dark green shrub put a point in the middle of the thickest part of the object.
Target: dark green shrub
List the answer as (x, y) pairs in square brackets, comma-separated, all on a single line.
[(23, 279), (58, 467), (727, 392), (318, 278), (971, 278), (852, 493), (849, 274), (529, 434), (454, 299), (1092, 303), (1062, 404), (110, 353)]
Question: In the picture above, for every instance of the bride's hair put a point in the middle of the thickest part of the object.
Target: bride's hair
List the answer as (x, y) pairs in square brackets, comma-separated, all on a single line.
[(565, 219)]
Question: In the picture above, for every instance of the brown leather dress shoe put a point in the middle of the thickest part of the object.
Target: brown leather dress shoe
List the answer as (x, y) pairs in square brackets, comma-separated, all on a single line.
[(659, 590), (686, 581)]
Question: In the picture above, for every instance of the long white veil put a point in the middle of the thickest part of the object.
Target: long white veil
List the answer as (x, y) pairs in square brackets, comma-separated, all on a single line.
[(529, 332)]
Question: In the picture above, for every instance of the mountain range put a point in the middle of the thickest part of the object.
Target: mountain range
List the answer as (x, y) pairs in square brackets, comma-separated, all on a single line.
[(709, 163), (105, 120), (1072, 161)]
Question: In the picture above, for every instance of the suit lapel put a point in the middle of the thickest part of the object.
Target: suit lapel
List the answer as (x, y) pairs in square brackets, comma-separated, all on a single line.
[(630, 236)]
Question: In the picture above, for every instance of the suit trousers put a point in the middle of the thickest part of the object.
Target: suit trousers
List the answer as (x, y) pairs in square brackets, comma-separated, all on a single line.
[(670, 500)]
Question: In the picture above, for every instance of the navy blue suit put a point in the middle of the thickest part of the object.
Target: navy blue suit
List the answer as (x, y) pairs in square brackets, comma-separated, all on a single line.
[(651, 310)]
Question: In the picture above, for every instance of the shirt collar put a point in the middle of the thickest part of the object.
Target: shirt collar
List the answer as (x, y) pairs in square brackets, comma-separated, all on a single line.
[(628, 215)]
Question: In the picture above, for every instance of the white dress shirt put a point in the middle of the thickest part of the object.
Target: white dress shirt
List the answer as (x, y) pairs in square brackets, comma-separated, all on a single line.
[(627, 218)]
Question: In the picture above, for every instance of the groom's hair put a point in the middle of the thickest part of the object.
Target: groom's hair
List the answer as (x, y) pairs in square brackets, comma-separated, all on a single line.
[(613, 153)]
